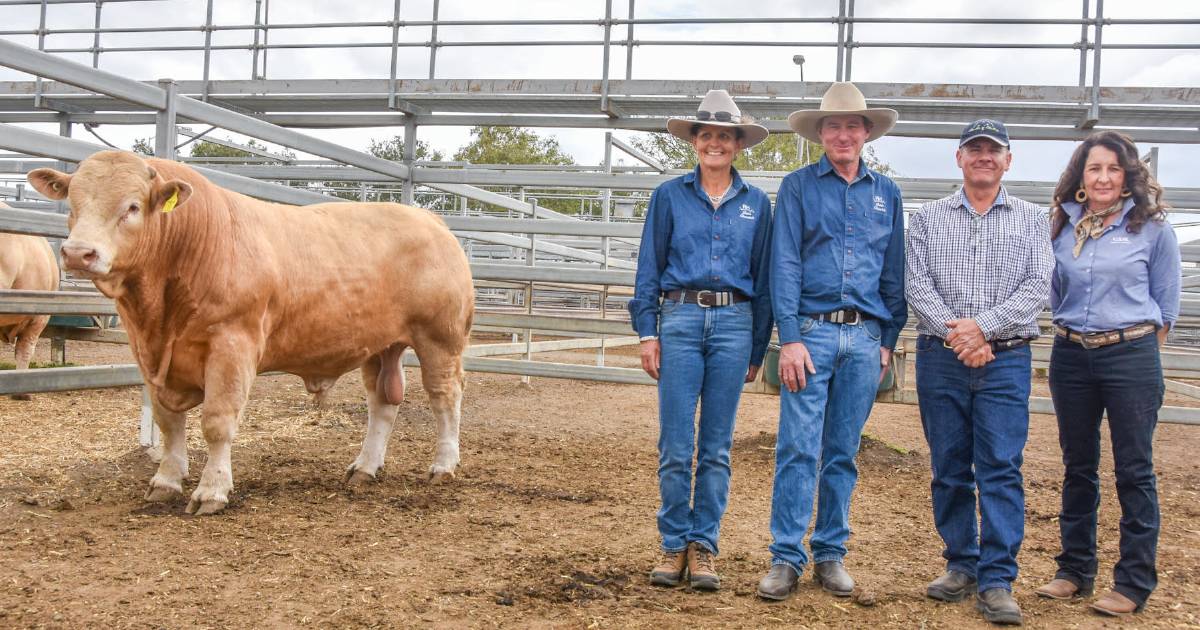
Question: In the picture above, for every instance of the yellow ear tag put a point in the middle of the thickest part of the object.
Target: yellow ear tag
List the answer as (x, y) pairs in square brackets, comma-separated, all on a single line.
[(169, 204)]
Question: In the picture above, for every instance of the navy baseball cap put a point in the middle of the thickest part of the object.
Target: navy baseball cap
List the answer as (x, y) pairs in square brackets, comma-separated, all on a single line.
[(985, 128)]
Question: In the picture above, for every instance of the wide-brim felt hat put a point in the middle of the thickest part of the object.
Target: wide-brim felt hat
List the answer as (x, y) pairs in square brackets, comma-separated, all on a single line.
[(842, 98), (718, 109)]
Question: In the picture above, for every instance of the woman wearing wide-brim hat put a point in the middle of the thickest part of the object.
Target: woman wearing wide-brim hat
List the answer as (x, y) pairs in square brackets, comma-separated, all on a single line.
[(702, 310)]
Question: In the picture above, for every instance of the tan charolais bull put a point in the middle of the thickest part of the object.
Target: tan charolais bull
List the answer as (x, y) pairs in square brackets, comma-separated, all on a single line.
[(26, 263), (215, 287)]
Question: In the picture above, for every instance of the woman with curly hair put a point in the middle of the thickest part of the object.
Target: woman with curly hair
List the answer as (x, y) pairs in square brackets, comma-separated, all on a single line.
[(1115, 295)]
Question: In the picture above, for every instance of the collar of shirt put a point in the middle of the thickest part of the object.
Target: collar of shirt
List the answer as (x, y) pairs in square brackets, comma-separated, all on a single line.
[(735, 186), (825, 167), (959, 200), (1074, 211)]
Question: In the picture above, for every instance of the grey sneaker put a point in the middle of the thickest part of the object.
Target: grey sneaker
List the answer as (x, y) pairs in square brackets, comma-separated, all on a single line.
[(999, 607), (833, 578), (778, 583), (952, 586)]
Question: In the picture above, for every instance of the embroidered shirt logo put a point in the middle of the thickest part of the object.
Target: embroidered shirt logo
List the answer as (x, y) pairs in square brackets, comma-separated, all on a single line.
[(880, 204), (747, 212), (1120, 239)]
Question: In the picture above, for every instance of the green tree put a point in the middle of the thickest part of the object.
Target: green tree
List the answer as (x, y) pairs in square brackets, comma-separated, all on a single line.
[(204, 148), (392, 149), (511, 145), (516, 145)]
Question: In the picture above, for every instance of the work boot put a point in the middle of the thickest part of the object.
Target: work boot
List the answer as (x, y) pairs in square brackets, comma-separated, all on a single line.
[(1061, 588), (952, 586), (1114, 604), (833, 578), (670, 569), (702, 568), (778, 583), (999, 607)]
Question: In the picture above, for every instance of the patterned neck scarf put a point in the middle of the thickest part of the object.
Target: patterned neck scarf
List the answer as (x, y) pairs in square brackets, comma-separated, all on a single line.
[(1091, 224)]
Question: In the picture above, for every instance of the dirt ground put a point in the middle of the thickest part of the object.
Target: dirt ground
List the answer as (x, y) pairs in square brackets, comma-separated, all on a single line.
[(549, 524)]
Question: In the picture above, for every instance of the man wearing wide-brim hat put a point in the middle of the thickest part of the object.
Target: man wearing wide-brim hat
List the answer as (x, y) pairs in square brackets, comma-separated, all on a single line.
[(837, 289)]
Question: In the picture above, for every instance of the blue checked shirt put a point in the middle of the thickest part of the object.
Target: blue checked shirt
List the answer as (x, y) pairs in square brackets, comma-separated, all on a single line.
[(1119, 280), (837, 246), (993, 267), (688, 244)]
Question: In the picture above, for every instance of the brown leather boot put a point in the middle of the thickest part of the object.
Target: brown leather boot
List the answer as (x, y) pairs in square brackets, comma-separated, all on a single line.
[(1061, 588), (1114, 604), (670, 569), (702, 568)]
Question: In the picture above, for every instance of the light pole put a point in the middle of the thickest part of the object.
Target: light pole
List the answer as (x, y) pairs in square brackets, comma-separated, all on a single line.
[(802, 146)]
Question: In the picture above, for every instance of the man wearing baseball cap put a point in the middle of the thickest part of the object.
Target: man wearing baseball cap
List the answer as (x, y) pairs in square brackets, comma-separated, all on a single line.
[(977, 276)]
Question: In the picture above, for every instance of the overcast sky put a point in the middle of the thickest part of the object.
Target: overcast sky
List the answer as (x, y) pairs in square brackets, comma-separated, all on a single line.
[(1033, 160)]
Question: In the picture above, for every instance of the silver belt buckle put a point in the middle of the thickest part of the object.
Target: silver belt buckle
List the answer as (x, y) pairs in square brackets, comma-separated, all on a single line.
[(700, 298)]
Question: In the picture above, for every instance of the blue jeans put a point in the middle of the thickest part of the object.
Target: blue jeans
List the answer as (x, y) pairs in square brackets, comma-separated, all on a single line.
[(976, 422), (824, 420), (1124, 379), (705, 353)]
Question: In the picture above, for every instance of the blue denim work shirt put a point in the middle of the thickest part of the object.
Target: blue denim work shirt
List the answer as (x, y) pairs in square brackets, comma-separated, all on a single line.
[(1120, 279), (838, 245), (688, 244)]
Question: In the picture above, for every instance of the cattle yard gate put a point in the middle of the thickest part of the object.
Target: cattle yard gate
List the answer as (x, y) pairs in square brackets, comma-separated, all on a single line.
[(538, 271)]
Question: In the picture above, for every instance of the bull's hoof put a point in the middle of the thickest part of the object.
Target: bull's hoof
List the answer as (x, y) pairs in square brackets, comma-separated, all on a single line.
[(438, 478), (204, 508), (25, 397), (162, 494), (355, 478)]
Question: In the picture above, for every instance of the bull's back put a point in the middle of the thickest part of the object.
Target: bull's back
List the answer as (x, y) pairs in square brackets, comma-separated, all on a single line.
[(27, 264), (356, 278)]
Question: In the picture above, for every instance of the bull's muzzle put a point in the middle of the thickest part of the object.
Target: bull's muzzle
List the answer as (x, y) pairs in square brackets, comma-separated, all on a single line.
[(78, 256)]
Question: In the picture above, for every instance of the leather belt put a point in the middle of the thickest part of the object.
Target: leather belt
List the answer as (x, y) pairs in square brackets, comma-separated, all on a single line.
[(999, 345), (1107, 337), (705, 298), (847, 316)]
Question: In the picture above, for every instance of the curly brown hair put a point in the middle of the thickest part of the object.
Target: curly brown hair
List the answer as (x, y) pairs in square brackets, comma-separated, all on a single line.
[(1147, 193)]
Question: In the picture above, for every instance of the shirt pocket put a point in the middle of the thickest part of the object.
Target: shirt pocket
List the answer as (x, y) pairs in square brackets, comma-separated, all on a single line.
[(1008, 256)]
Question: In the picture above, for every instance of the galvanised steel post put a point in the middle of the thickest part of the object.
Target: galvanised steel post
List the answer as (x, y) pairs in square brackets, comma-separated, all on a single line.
[(395, 50), (629, 45), (208, 31), (1094, 111), (254, 49), (607, 53), (529, 262), (841, 40), (96, 36), (410, 155), (164, 127), (1083, 44), (850, 42), (433, 40)]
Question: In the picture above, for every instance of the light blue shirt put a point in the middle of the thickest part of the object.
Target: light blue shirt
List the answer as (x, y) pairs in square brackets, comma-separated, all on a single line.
[(1120, 279), (838, 245), (688, 244)]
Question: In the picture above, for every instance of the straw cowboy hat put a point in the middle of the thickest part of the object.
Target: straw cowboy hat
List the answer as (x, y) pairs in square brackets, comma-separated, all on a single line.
[(717, 108), (840, 99)]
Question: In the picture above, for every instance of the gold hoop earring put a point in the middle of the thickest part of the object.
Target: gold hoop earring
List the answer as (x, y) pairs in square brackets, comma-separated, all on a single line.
[(1125, 194), (1081, 195)]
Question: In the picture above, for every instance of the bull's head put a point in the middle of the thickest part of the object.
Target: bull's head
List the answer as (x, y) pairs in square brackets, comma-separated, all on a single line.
[(114, 195)]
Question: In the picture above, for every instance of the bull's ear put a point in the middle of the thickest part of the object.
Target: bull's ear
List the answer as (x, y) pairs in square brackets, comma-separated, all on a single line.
[(51, 183), (169, 196)]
